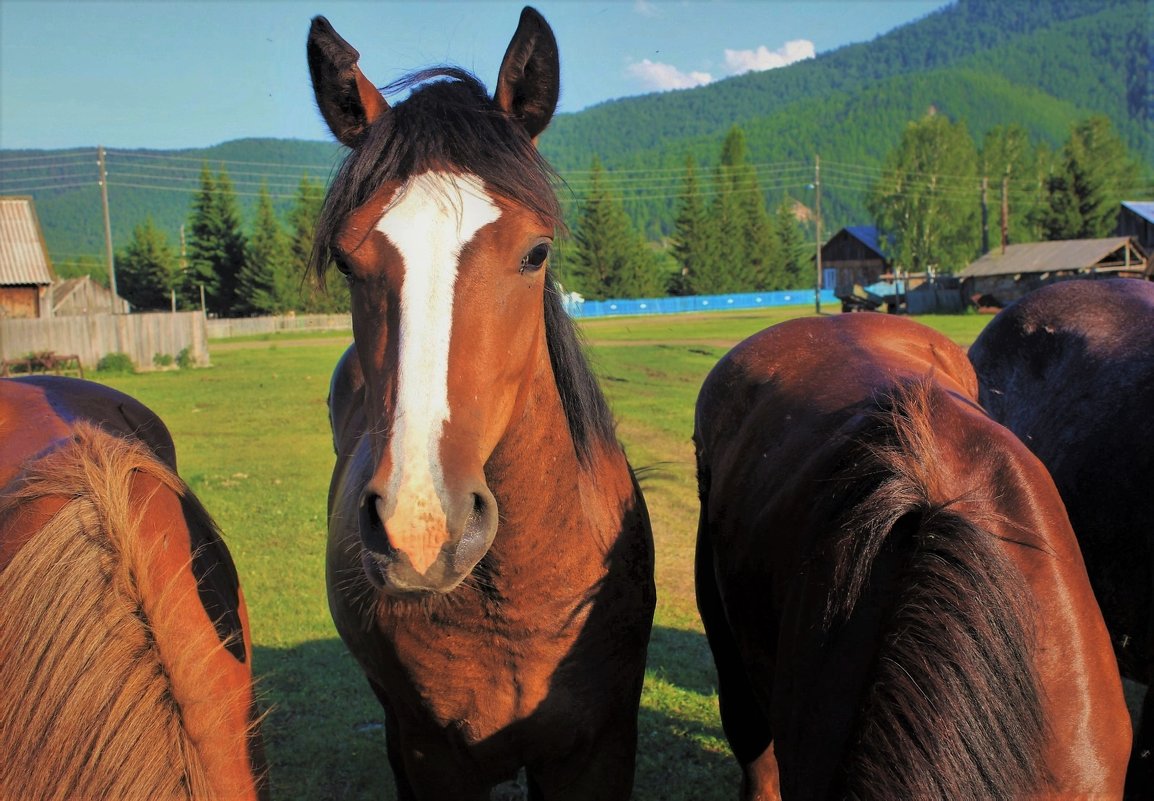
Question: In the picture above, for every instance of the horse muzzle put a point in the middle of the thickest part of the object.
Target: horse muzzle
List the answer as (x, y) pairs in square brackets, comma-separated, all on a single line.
[(415, 551)]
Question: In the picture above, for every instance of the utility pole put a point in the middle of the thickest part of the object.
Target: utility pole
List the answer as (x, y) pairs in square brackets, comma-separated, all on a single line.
[(183, 265), (107, 227), (817, 220), (985, 215), (1005, 212)]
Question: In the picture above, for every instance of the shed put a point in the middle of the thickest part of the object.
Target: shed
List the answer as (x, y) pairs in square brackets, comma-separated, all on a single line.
[(82, 295), (1000, 277), (1136, 219), (25, 269), (855, 254)]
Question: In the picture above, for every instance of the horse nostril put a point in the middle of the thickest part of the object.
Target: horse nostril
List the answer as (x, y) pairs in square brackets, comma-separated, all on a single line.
[(478, 512), (372, 530)]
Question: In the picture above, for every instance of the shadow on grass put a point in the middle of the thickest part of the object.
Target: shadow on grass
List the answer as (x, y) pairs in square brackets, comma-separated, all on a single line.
[(323, 731), (325, 738)]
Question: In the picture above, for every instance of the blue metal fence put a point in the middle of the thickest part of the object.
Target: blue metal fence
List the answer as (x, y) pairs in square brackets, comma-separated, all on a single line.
[(695, 303)]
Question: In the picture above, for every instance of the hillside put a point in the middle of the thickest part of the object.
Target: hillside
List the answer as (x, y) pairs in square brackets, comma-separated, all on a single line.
[(1075, 51), (1042, 65)]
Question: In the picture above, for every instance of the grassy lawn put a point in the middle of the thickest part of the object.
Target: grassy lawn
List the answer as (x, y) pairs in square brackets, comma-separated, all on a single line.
[(253, 442)]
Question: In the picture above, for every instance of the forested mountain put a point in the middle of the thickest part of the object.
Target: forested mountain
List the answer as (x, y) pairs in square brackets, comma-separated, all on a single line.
[(1043, 65), (1073, 50)]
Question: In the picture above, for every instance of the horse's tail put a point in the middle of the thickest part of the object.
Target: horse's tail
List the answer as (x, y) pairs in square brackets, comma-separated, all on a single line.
[(91, 707), (953, 709)]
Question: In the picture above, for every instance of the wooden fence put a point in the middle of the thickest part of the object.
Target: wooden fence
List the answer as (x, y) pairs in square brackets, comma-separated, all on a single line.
[(250, 326), (142, 336)]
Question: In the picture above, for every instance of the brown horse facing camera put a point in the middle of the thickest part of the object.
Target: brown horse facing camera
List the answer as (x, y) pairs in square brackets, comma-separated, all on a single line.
[(1069, 368), (124, 639), (894, 597), (490, 561)]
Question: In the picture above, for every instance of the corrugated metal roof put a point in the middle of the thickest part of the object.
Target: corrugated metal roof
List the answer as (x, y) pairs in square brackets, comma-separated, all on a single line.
[(1143, 208), (1045, 257), (23, 259)]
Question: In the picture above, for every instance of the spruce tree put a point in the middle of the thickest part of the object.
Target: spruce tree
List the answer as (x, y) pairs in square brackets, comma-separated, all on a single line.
[(1091, 178), (216, 245), (693, 239), (794, 254), (609, 258), (265, 283), (147, 268), (200, 274), (743, 234)]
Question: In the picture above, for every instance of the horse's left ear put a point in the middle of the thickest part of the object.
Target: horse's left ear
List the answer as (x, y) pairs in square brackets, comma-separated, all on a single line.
[(530, 78)]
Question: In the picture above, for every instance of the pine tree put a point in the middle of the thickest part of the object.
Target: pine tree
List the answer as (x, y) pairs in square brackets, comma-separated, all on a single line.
[(795, 257), (265, 284), (147, 268), (928, 198), (1091, 177), (609, 259), (216, 245), (693, 240), (743, 238)]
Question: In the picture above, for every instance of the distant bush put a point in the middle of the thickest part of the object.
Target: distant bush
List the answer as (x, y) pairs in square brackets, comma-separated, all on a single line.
[(162, 360), (184, 359), (115, 363)]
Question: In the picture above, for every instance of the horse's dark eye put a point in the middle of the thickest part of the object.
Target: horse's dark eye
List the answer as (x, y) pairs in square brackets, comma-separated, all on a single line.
[(535, 259)]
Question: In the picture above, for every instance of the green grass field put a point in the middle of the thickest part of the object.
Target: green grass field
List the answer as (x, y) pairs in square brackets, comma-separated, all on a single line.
[(253, 442)]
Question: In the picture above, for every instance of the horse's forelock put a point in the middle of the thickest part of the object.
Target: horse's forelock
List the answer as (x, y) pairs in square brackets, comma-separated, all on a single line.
[(448, 122)]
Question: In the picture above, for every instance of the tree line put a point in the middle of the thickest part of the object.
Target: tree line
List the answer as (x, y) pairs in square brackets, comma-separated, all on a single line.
[(938, 201), (221, 268), (724, 240)]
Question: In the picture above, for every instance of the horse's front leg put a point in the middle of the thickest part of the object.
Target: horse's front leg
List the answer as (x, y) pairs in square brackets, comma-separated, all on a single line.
[(425, 768), (760, 780), (603, 771)]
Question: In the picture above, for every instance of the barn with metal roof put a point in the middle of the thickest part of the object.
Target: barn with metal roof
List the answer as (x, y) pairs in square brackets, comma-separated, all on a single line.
[(25, 269), (1002, 276)]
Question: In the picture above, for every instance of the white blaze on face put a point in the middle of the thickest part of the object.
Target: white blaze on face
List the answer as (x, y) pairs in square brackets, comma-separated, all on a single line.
[(429, 222)]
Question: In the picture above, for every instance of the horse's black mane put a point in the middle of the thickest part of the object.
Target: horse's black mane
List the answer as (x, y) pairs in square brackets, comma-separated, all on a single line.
[(449, 122)]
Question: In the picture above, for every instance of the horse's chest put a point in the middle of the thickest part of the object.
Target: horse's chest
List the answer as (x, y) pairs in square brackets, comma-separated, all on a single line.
[(477, 683)]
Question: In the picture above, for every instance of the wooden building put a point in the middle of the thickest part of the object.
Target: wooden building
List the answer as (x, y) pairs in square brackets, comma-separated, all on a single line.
[(1001, 277), (854, 254), (84, 296), (25, 269), (1136, 219)]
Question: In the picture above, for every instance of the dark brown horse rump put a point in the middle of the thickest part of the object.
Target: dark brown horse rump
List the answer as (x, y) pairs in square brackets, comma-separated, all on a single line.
[(894, 598), (1070, 369), (490, 561)]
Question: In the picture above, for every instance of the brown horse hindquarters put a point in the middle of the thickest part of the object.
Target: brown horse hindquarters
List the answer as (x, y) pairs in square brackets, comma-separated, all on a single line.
[(849, 483), (124, 632)]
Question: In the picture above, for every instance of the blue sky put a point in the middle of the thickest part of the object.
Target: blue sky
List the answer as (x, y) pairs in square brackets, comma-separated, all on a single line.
[(177, 74)]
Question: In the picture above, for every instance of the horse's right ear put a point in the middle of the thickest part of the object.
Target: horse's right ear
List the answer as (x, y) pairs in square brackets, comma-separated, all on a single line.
[(347, 99)]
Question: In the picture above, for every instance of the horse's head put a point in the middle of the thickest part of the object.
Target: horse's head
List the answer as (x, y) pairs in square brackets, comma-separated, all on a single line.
[(442, 219)]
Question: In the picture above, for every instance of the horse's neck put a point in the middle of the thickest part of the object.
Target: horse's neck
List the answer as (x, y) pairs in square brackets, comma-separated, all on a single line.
[(550, 500)]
